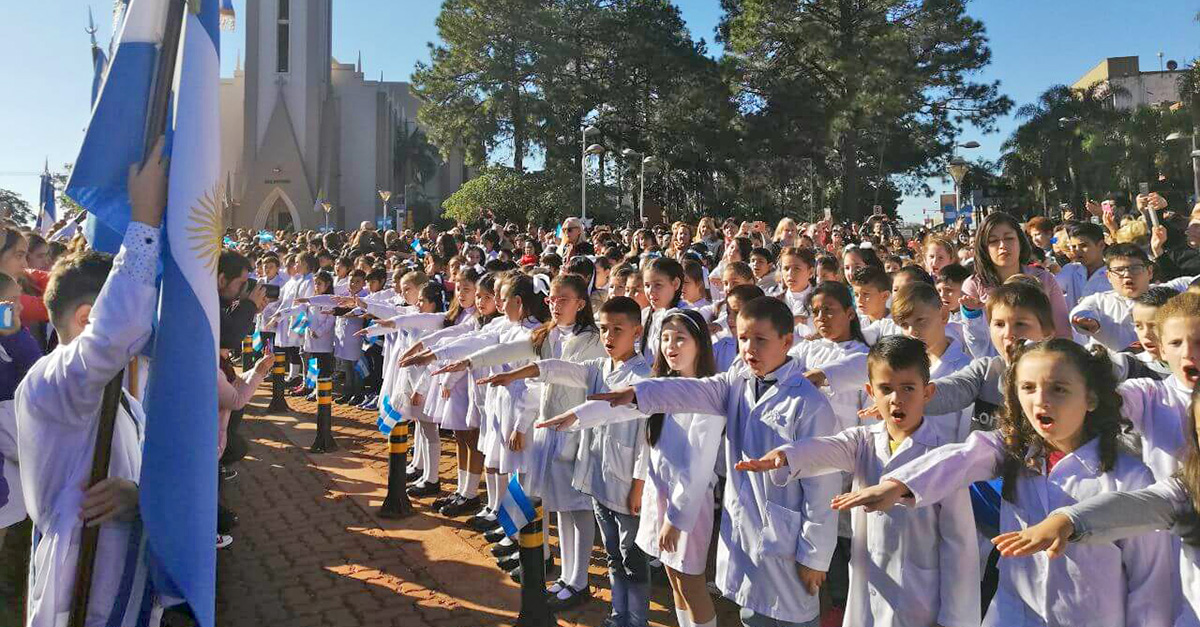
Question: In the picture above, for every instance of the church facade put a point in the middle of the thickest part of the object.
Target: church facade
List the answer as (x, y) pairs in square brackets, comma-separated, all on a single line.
[(300, 130)]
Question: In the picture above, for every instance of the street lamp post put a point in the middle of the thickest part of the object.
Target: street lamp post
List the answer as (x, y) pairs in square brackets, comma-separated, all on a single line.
[(385, 195), (327, 207), (630, 153), (1176, 136), (594, 149), (958, 170), (587, 132)]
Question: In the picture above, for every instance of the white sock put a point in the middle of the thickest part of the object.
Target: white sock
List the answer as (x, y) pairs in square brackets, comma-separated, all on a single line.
[(711, 623), (433, 450), (501, 487), (577, 533), (472, 488), (462, 480), (684, 618), (492, 490)]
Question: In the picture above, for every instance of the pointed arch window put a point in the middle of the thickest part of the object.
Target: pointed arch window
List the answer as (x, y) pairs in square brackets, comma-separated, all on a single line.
[(283, 28)]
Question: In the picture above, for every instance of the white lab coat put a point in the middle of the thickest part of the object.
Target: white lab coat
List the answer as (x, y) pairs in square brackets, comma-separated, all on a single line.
[(845, 368), (766, 530), (1164, 505), (12, 500), (1159, 413), (956, 425), (681, 473), (612, 455), (879, 329), (1077, 285), (296, 287), (1115, 315), (260, 321), (346, 345), (908, 567), (1111, 585), (552, 454), (57, 407)]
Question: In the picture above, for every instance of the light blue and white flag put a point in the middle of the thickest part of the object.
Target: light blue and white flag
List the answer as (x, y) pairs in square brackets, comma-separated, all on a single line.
[(515, 509), (46, 212), (256, 341), (300, 324), (363, 367), (389, 416), (311, 373), (178, 489)]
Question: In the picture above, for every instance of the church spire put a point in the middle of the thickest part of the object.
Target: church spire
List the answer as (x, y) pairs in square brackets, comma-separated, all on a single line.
[(360, 61)]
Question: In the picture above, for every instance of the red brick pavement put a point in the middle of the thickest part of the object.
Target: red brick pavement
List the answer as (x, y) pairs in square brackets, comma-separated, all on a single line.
[(308, 550)]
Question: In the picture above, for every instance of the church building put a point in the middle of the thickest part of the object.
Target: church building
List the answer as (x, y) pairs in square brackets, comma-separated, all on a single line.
[(300, 131)]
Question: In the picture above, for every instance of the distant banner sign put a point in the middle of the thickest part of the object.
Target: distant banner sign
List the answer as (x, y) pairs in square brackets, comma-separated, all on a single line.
[(383, 224), (949, 205)]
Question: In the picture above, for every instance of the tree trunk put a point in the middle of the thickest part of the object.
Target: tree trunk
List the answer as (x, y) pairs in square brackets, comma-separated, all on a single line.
[(850, 176)]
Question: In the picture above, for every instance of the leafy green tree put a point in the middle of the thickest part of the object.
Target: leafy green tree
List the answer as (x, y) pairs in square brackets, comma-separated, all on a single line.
[(12, 205), (479, 84), (891, 81)]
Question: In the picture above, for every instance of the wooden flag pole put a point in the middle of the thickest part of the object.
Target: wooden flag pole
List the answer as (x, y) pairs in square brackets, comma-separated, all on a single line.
[(156, 123)]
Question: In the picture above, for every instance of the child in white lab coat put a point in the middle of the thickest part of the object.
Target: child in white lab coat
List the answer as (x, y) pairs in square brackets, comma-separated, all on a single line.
[(906, 567), (796, 270), (1169, 504), (612, 460), (662, 283), (675, 524), (919, 312), (318, 338), (776, 541), (103, 310), (571, 336), (1059, 442), (347, 344)]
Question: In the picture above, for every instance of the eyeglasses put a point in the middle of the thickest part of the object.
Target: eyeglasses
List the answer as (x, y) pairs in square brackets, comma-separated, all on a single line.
[(1127, 271), (558, 300)]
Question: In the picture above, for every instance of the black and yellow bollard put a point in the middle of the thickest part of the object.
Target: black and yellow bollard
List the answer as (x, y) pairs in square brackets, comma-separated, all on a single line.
[(324, 442), (247, 354), (278, 374), (535, 612), (396, 503)]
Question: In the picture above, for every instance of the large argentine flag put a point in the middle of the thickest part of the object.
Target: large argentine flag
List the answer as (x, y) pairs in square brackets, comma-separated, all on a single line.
[(179, 479), (115, 136), (178, 482)]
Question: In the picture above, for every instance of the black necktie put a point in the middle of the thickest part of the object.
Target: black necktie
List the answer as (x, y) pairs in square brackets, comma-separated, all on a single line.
[(761, 385)]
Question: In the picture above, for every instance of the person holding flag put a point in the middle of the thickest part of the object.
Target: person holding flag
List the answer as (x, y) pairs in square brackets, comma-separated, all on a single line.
[(103, 320)]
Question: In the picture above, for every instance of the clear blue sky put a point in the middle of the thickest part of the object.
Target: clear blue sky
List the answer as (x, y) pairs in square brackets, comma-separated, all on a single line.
[(1035, 44)]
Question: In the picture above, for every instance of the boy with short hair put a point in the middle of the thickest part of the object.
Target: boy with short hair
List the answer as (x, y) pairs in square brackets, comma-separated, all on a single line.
[(872, 289), (920, 314), (599, 473), (103, 319), (1086, 274), (762, 262), (1106, 317), (923, 579), (776, 541)]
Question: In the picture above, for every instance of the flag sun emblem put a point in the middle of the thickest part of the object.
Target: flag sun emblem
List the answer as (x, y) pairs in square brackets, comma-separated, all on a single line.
[(205, 229)]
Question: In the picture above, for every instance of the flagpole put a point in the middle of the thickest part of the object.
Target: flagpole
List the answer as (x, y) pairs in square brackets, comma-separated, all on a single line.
[(156, 123)]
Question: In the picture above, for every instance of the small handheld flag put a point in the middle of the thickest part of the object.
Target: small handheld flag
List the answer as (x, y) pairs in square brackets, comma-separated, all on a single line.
[(310, 376), (363, 367), (301, 324), (389, 416), (515, 509), (256, 341)]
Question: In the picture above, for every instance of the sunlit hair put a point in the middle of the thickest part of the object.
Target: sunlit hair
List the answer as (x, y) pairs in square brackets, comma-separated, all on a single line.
[(1025, 450), (906, 299), (1023, 294)]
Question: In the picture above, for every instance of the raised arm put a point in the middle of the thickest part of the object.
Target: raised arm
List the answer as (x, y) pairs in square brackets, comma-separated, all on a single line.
[(959, 390), (500, 354), (937, 474), (680, 395), (566, 373)]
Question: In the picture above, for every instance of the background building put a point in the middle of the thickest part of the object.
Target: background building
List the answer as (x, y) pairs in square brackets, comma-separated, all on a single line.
[(298, 127), (1137, 88)]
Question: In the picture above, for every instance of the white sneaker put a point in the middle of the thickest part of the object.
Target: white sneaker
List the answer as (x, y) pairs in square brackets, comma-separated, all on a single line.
[(224, 541)]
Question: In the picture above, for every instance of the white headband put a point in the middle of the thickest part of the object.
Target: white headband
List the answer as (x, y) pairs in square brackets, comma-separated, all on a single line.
[(541, 284), (679, 313)]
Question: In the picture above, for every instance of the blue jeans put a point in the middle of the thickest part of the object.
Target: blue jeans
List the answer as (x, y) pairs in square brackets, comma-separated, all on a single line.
[(628, 568), (752, 619)]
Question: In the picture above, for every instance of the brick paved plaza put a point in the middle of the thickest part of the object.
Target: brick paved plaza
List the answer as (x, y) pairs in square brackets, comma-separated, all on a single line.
[(308, 550)]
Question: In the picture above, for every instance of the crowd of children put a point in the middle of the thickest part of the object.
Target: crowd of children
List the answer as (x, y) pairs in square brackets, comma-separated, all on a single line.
[(855, 423)]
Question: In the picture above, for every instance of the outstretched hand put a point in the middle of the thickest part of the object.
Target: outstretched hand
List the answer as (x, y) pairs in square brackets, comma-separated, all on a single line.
[(877, 498), (616, 398), (770, 461), (1050, 536)]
